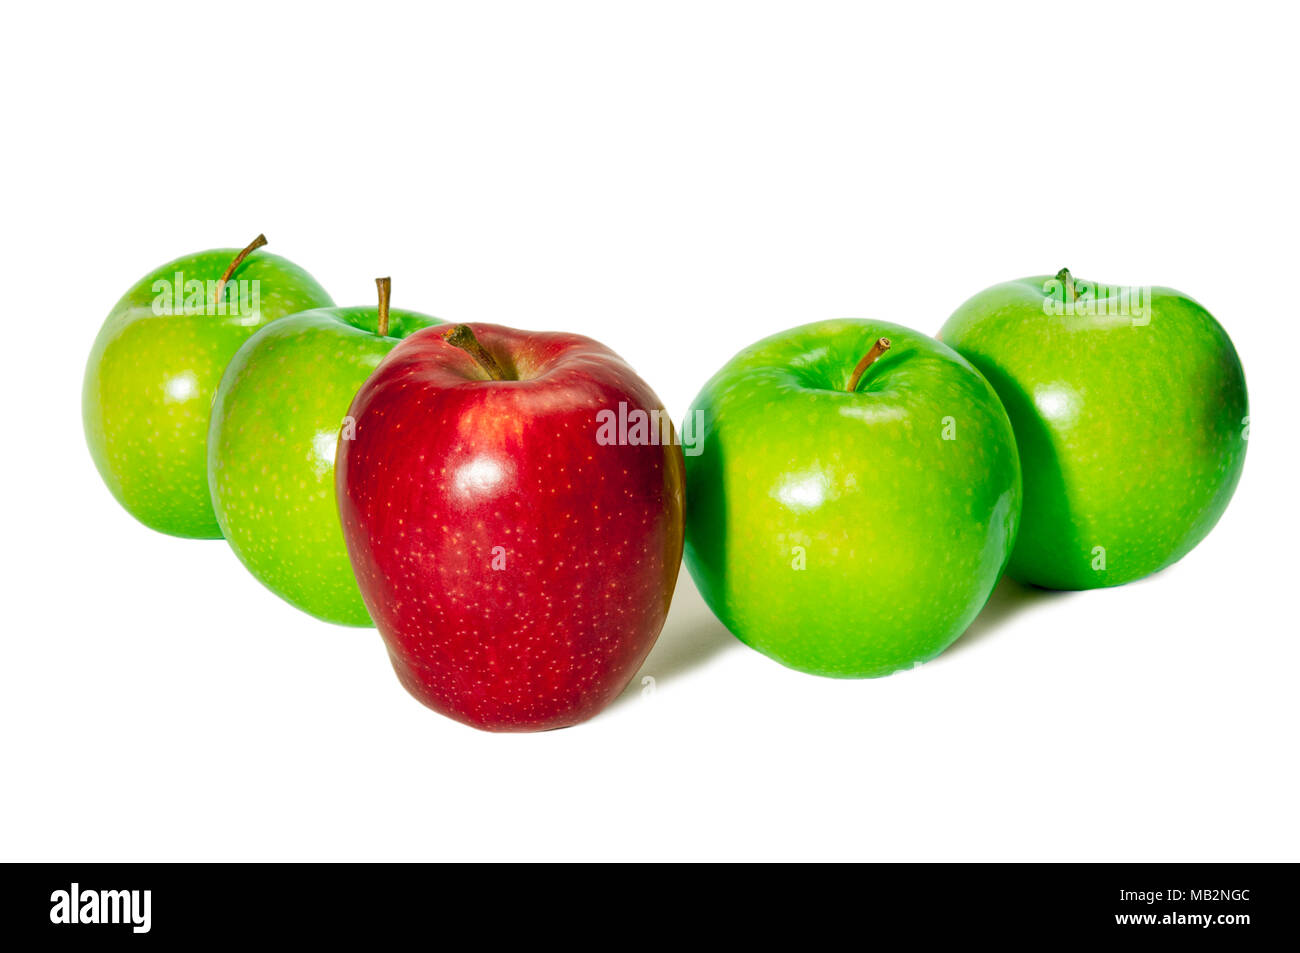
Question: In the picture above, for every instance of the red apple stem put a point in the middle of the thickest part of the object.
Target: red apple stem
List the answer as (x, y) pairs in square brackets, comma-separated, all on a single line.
[(385, 286), (1067, 279), (880, 347), (462, 337), (238, 260)]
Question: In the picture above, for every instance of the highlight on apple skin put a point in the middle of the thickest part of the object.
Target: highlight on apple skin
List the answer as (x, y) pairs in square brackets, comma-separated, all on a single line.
[(855, 499), (518, 568), (273, 436), (155, 366), (1130, 411)]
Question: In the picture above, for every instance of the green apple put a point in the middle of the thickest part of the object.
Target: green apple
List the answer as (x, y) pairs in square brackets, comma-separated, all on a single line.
[(854, 497), (155, 366), (276, 422), (1129, 406)]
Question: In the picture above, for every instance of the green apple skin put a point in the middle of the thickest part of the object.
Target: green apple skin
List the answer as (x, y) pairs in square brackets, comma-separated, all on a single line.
[(275, 428), (150, 380), (849, 534), (1131, 426)]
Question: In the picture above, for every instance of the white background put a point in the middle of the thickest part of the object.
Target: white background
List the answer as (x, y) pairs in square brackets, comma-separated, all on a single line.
[(676, 180)]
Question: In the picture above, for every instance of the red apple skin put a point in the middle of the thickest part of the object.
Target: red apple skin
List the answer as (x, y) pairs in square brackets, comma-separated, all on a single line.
[(449, 470)]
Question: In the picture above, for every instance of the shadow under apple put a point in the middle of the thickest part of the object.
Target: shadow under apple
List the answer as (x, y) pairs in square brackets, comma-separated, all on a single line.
[(1009, 598), (692, 635)]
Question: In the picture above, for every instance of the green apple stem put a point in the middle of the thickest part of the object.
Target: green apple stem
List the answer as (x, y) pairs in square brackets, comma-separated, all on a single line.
[(1067, 279), (385, 286), (462, 337), (238, 260), (880, 347)]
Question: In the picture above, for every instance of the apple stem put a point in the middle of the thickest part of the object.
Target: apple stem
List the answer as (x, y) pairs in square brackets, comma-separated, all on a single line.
[(385, 286), (238, 260), (462, 337), (1067, 279), (880, 347)]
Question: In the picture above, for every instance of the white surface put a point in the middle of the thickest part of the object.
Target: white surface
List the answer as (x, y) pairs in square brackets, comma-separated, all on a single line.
[(676, 180)]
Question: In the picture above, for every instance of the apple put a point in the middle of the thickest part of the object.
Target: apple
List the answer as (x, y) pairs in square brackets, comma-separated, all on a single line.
[(271, 444), (155, 367), (855, 497), (517, 556), (1129, 406)]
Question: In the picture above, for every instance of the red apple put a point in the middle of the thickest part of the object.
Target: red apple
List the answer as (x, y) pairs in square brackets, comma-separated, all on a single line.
[(518, 563)]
